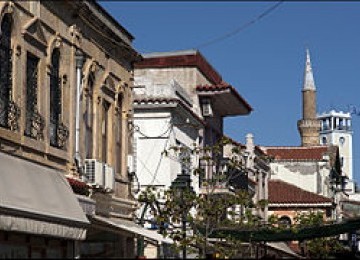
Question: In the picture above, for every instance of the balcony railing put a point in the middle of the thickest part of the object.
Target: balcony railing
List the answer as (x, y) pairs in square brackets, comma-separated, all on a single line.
[(59, 134), (35, 125), (9, 116)]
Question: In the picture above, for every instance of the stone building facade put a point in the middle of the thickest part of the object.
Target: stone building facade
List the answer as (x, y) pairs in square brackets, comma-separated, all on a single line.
[(65, 100)]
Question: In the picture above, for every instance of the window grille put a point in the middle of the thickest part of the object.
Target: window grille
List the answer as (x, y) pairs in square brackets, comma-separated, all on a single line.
[(58, 131), (5, 71), (88, 118), (34, 122)]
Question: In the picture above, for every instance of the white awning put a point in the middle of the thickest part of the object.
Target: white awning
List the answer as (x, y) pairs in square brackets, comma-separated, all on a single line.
[(131, 227), (283, 247), (38, 200)]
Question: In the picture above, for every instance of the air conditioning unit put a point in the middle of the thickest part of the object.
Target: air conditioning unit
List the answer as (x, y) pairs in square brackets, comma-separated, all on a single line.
[(206, 107), (94, 172), (109, 174)]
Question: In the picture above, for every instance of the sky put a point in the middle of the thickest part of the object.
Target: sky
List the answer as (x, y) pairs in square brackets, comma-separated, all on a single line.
[(263, 58)]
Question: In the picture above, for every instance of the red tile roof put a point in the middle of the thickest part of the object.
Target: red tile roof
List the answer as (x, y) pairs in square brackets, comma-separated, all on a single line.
[(194, 59), (220, 86), (281, 192), (224, 86), (296, 153)]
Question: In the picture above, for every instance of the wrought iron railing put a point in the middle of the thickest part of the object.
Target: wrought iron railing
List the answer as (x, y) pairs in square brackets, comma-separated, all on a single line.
[(35, 125), (59, 134), (10, 115)]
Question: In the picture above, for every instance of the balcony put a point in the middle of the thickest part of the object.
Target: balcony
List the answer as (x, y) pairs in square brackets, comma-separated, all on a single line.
[(9, 115)]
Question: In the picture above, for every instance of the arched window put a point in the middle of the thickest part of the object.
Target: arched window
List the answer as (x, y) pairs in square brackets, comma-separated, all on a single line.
[(119, 133), (5, 69), (55, 97), (105, 130), (32, 63), (88, 117), (285, 221)]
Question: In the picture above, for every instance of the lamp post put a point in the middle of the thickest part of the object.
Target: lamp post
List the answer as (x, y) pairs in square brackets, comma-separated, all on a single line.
[(180, 185)]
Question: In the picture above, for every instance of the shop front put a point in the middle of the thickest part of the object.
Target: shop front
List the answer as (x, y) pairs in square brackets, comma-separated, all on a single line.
[(40, 217), (110, 237)]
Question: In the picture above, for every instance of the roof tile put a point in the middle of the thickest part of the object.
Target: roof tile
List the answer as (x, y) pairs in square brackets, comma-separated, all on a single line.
[(296, 153), (285, 193)]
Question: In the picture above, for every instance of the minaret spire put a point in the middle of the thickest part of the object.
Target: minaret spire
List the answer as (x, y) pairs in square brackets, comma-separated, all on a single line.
[(308, 76), (309, 126)]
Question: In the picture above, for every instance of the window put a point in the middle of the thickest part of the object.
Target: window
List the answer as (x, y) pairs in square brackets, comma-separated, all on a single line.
[(104, 130), (55, 97), (285, 221), (119, 134), (324, 141), (5, 70), (32, 63), (342, 140), (184, 157), (88, 118)]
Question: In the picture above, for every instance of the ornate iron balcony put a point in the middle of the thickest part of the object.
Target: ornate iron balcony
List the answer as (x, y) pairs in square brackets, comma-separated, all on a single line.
[(10, 115), (59, 134), (35, 124)]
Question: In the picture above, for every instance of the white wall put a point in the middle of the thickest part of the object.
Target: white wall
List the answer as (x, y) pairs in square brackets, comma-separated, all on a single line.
[(309, 176)]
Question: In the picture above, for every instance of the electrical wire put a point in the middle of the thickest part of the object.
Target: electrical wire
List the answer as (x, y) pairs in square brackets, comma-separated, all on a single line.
[(241, 28), (137, 129)]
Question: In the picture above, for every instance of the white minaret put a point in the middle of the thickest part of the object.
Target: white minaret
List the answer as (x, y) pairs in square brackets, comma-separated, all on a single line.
[(336, 130), (309, 126)]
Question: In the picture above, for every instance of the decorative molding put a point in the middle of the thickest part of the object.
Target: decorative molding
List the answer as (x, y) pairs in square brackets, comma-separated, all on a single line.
[(6, 8), (54, 43), (76, 36), (18, 50), (34, 30)]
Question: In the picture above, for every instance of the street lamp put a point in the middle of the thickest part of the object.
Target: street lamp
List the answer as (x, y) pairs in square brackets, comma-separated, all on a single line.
[(180, 185)]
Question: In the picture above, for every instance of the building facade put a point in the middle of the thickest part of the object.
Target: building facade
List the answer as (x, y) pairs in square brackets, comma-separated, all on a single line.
[(336, 130), (180, 100), (65, 100)]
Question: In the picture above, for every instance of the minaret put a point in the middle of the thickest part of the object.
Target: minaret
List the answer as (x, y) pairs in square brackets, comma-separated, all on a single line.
[(309, 125)]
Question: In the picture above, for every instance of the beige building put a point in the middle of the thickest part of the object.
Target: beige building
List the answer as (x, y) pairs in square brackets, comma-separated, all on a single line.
[(65, 100)]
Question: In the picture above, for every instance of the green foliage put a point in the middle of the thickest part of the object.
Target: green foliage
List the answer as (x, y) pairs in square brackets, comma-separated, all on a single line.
[(209, 210), (325, 247)]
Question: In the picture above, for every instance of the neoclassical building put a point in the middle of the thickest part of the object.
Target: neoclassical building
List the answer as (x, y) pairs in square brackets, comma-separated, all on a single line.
[(65, 102)]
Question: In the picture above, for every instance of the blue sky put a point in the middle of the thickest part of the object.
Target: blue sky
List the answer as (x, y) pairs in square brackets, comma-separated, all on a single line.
[(264, 62)]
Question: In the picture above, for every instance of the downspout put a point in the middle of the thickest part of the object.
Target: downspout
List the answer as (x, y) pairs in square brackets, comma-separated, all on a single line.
[(79, 59)]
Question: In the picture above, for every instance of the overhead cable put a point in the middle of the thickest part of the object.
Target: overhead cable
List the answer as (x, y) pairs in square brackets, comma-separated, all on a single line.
[(242, 27)]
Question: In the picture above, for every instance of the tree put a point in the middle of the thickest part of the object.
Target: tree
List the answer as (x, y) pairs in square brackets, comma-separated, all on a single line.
[(217, 205), (324, 247)]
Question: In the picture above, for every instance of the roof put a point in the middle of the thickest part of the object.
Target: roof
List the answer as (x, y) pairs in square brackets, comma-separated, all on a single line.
[(234, 142), (296, 152), (164, 100), (224, 86), (189, 58), (281, 192)]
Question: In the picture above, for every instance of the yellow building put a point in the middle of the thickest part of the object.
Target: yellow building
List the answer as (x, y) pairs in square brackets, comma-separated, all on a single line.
[(65, 101)]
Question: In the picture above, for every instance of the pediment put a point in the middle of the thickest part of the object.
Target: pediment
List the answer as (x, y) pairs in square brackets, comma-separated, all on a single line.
[(35, 30)]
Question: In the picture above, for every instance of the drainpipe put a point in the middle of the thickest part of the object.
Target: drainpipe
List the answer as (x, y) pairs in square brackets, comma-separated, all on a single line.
[(79, 59)]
